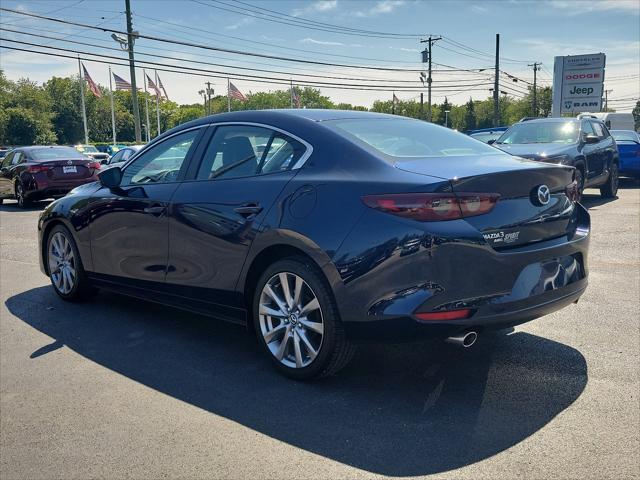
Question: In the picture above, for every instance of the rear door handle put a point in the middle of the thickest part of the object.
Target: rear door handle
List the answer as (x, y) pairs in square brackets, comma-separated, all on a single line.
[(156, 210), (248, 209)]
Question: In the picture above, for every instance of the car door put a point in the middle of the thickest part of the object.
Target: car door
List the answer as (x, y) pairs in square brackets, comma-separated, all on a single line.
[(216, 215), (591, 152), (600, 150), (6, 186), (129, 224)]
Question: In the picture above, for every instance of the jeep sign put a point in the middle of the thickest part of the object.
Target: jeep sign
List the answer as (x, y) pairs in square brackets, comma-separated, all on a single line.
[(578, 83)]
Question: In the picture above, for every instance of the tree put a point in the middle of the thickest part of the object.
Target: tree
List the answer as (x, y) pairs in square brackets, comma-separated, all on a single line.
[(636, 115), (470, 116), (440, 115)]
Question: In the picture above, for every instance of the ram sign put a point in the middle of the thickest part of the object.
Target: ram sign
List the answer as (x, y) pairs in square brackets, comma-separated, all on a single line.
[(578, 83)]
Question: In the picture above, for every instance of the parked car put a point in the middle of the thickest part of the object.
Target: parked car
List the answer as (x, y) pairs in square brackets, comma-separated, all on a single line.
[(3, 152), (613, 120), (487, 134), (628, 143), (92, 152), (349, 226), (40, 172), (584, 143), (122, 155)]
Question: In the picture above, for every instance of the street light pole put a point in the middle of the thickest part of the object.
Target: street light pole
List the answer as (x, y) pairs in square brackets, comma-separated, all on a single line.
[(132, 70)]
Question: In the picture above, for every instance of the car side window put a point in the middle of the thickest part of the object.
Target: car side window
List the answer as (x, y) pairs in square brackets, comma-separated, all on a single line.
[(6, 162), (243, 151), (126, 154), (117, 157), (163, 162), (17, 158), (597, 127), (587, 129)]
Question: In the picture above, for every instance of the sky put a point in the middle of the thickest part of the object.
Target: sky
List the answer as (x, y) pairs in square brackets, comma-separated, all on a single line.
[(530, 31)]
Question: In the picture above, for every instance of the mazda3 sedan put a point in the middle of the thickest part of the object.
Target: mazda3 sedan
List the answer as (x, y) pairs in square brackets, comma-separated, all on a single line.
[(320, 229)]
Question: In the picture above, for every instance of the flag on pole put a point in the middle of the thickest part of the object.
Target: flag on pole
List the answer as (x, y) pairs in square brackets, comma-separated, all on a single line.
[(235, 93), (296, 98), (153, 86), (92, 85), (395, 99), (162, 87), (121, 83)]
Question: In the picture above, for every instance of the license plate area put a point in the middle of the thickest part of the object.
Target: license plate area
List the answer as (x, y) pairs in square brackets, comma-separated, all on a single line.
[(69, 169)]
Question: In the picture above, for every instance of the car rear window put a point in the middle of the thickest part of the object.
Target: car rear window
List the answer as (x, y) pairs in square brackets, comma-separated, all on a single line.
[(55, 153), (624, 136), (541, 132), (400, 137)]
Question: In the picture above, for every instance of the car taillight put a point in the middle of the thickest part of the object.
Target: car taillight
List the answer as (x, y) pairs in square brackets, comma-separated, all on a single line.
[(94, 165), (431, 207), (571, 191), (444, 315), (38, 168)]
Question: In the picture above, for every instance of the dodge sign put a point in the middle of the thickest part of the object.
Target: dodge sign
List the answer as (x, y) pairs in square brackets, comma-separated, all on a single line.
[(577, 83)]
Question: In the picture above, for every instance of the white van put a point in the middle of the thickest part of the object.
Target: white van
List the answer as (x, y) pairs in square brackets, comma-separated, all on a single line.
[(613, 121)]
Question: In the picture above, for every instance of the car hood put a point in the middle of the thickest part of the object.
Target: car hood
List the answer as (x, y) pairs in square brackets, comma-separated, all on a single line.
[(534, 150)]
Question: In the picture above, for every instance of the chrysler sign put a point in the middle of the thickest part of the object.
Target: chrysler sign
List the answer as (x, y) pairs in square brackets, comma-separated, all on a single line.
[(578, 83)]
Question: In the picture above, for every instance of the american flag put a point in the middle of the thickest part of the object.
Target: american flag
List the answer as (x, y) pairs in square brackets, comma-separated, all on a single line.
[(395, 99), (162, 87), (121, 83), (296, 98), (153, 86), (235, 93), (92, 85)]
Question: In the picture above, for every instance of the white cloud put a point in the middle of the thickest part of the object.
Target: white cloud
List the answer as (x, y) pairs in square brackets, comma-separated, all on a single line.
[(241, 23), (578, 7), (318, 6), (403, 49), (382, 6), (319, 42), (479, 9)]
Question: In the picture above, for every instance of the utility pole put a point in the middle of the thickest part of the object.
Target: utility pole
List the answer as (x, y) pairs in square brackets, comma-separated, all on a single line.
[(536, 67), (431, 40), (496, 85), (132, 69), (606, 100)]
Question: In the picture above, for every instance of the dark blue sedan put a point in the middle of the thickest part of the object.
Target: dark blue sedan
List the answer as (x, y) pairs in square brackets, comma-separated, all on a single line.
[(319, 229)]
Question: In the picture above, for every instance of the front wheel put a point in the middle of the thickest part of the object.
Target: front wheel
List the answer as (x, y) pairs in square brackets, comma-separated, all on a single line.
[(21, 198), (579, 183), (297, 322), (65, 266), (610, 189)]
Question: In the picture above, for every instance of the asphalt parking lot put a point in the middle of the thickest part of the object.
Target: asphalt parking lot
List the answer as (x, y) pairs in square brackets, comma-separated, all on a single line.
[(118, 388)]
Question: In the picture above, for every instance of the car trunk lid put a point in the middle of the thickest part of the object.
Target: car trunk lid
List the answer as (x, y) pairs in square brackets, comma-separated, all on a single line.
[(520, 216), (62, 170)]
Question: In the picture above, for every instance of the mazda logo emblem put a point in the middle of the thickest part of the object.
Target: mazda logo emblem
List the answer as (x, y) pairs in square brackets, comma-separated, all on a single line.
[(543, 195)]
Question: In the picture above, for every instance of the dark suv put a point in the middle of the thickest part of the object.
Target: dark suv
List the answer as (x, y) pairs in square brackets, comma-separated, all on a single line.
[(585, 144)]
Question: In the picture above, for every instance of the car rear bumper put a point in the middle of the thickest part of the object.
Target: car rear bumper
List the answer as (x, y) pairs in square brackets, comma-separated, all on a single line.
[(38, 190), (453, 272)]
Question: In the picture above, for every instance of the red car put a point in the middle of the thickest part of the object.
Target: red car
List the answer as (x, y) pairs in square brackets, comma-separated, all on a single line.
[(40, 172)]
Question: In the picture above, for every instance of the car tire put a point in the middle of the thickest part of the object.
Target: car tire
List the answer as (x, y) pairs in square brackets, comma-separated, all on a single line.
[(21, 198), (315, 342), (67, 275), (610, 188)]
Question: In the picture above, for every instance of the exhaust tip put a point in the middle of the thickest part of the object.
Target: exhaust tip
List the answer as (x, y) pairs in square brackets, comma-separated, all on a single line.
[(464, 340)]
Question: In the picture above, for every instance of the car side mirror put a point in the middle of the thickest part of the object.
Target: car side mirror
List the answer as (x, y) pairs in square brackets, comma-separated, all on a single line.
[(491, 142), (590, 139), (111, 177), (104, 161)]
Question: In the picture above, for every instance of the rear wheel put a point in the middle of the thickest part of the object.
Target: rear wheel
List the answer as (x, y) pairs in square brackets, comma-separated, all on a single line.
[(23, 201), (610, 189), (65, 266), (297, 322)]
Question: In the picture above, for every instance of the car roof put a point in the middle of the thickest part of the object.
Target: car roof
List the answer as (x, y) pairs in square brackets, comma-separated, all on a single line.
[(551, 119), (33, 147)]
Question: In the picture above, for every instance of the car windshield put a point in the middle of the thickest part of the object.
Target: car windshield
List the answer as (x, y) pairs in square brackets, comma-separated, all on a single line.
[(485, 137), (87, 149), (55, 153), (541, 132), (398, 137), (624, 136)]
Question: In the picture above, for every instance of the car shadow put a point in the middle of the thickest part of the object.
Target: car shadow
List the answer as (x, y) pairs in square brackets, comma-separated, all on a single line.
[(12, 206), (399, 410), (591, 197)]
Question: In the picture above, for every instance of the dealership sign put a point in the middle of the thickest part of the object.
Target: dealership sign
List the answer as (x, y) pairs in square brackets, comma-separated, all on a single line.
[(578, 83)]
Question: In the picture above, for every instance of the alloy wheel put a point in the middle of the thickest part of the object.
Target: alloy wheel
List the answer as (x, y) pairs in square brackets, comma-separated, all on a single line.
[(62, 263), (20, 194), (291, 320)]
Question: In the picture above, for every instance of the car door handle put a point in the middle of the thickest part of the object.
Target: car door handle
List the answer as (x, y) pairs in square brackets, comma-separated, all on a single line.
[(248, 209), (156, 210)]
